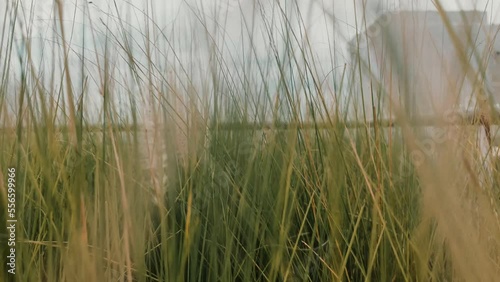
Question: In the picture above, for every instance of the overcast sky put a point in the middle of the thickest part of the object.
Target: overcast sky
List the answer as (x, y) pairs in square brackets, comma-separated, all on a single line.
[(185, 22), (179, 13)]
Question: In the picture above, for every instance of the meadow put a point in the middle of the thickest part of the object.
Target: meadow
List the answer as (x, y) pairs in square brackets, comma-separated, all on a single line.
[(225, 172)]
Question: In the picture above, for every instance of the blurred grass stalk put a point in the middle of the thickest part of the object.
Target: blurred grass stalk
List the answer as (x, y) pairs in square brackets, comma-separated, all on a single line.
[(163, 192)]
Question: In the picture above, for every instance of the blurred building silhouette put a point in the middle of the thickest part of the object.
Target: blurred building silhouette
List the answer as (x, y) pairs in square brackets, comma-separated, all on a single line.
[(425, 62)]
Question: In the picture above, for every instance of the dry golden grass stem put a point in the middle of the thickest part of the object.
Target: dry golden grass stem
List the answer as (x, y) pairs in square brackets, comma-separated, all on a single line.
[(443, 180), (69, 84)]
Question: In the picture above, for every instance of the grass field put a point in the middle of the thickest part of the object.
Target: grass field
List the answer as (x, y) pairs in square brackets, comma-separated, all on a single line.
[(177, 183)]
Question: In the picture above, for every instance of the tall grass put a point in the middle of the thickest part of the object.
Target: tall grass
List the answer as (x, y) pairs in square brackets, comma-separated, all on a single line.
[(233, 170)]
